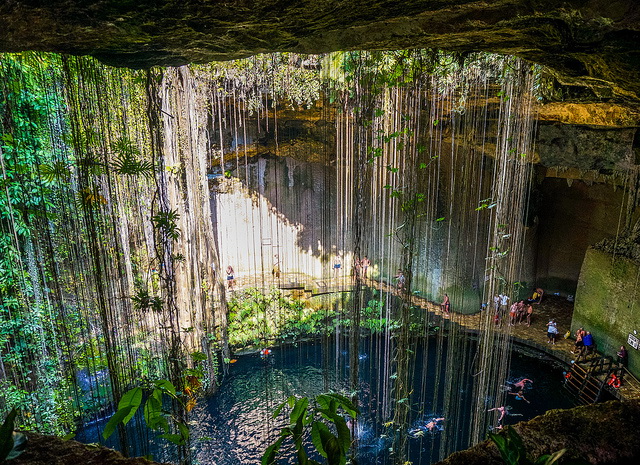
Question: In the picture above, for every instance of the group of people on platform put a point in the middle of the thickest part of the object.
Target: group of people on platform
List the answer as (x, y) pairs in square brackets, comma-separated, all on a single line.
[(520, 312), (584, 345), (360, 267)]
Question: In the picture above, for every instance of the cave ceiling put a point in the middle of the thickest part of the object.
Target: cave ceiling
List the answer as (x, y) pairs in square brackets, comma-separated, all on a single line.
[(587, 44)]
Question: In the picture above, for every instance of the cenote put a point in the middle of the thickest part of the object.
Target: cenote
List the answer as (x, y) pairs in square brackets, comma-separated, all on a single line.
[(236, 425), (382, 223)]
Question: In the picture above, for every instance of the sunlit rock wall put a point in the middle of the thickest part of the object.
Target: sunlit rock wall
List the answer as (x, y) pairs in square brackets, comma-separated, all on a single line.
[(607, 303), (295, 210), (276, 207)]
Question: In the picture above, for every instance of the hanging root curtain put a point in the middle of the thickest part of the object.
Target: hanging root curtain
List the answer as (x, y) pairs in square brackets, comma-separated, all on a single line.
[(125, 195)]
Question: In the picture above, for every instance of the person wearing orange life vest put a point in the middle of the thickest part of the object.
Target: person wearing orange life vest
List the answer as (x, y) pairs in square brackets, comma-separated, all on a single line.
[(614, 381)]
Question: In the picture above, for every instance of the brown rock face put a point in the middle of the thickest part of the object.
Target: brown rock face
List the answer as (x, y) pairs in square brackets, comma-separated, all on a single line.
[(592, 43), (580, 430), (51, 450)]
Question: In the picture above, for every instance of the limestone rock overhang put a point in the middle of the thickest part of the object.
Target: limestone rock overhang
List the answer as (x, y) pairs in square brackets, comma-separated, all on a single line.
[(593, 43)]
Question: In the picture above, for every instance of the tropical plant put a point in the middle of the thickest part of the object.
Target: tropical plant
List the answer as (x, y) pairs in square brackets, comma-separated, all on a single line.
[(155, 416), (318, 423), (12, 444), (513, 452)]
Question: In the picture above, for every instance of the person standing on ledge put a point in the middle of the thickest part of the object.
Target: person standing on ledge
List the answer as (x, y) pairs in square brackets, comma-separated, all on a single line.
[(275, 271), (446, 304), (577, 348), (230, 278), (622, 355), (587, 341), (552, 332), (400, 278), (504, 302), (337, 265), (365, 263), (529, 313)]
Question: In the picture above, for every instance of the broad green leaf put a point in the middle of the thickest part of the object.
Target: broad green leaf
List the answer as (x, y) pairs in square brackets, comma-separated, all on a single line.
[(345, 403), (131, 399), (269, 456), (278, 409), (344, 435), (114, 421), (177, 439), (184, 431), (550, 459), (319, 434), (166, 386), (335, 456), (302, 455), (299, 409), (153, 414)]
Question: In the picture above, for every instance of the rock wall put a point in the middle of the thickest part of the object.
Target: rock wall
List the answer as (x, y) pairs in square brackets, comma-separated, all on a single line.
[(580, 430), (607, 302), (590, 43), (570, 216)]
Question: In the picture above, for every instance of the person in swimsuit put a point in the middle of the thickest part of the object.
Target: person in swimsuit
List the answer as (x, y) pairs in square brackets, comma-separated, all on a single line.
[(520, 385), (432, 424), (519, 396), (502, 411), (529, 310), (337, 266), (365, 263), (230, 278), (577, 347), (446, 304)]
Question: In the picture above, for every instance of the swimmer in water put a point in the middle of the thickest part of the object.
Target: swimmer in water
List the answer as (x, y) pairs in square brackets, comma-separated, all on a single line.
[(431, 425), (519, 396), (520, 385), (502, 410)]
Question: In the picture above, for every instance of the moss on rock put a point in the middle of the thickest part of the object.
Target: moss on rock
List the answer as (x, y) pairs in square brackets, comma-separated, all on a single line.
[(600, 434)]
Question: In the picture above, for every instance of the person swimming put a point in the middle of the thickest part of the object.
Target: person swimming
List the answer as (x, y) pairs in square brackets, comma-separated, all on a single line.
[(501, 410), (520, 385), (519, 395), (432, 425)]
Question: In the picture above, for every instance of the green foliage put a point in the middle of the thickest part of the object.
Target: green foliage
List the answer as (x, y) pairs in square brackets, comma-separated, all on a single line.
[(255, 316), (12, 444), (144, 301), (34, 178), (513, 452), (155, 416), (318, 423), (166, 223), (127, 159)]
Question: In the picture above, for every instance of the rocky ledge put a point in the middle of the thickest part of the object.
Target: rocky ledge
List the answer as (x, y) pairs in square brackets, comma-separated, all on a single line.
[(600, 434)]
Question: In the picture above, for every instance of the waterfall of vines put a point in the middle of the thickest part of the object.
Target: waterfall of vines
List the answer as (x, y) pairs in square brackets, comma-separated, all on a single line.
[(378, 180)]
